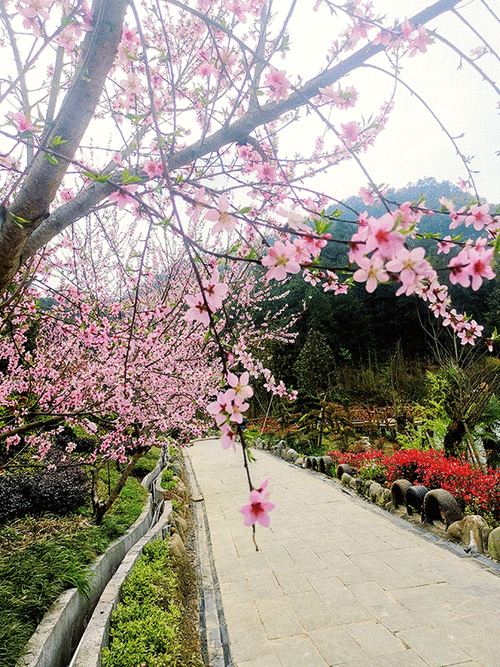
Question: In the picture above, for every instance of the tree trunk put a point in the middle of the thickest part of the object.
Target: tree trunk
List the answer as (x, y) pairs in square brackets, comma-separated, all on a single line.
[(100, 507), (31, 205)]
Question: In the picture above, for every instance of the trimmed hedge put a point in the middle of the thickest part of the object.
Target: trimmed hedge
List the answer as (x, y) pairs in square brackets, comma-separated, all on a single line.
[(144, 626)]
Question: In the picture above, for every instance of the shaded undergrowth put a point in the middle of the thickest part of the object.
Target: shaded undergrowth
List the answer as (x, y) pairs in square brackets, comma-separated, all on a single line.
[(41, 557)]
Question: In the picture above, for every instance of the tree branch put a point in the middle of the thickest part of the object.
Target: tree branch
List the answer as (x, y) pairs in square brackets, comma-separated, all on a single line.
[(236, 132), (45, 175)]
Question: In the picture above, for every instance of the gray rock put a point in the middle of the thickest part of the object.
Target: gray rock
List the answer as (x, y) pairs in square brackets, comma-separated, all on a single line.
[(345, 479), (375, 491), (299, 461), (385, 497), (494, 543), (292, 455), (176, 547)]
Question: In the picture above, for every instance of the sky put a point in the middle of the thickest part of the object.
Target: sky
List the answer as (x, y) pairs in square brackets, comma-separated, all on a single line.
[(413, 146)]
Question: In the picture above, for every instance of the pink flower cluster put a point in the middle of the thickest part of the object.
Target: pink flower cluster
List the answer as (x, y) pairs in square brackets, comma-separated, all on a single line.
[(286, 257), (277, 84), (257, 511), (207, 300), (380, 251), (256, 368), (230, 405)]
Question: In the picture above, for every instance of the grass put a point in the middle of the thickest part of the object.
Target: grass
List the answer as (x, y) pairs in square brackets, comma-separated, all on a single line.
[(42, 557)]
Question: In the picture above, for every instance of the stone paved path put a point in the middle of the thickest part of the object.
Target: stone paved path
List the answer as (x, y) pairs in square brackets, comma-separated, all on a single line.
[(336, 582)]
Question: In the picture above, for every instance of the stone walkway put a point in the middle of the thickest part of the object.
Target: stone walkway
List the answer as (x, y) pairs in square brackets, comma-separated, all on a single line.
[(337, 581)]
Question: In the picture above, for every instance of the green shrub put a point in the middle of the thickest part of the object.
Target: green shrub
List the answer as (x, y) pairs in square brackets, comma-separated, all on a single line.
[(144, 626), (374, 472), (167, 479)]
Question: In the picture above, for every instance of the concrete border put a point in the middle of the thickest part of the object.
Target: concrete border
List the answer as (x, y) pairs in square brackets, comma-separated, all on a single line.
[(96, 637), (60, 630), (215, 647)]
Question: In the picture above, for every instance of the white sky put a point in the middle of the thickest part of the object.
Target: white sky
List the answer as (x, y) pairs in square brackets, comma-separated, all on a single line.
[(412, 146)]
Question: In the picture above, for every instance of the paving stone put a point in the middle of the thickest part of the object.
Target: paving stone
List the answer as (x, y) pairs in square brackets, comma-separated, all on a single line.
[(298, 651), (336, 645), (268, 660), (433, 647), (374, 638), (405, 658), (278, 618)]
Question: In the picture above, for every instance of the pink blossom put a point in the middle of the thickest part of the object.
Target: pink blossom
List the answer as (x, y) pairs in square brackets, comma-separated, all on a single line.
[(367, 196), (419, 43), (266, 172), (470, 332), (384, 37), (224, 221), (278, 84), (459, 269), (22, 123), (239, 8), (383, 237), (239, 386), (153, 168), (445, 245), (350, 133), (282, 259), (331, 283), (312, 278), (258, 509), (338, 97), (480, 266), (207, 69), (198, 311), (122, 198), (220, 408), (411, 266), (215, 291), (34, 8), (479, 216), (406, 28), (236, 409), (228, 437), (372, 271)]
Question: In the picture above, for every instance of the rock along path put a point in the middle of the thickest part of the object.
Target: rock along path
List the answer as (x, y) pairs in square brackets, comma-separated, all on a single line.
[(337, 581)]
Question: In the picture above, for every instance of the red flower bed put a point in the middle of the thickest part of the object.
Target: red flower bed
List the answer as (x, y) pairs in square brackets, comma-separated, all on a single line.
[(471, 486)]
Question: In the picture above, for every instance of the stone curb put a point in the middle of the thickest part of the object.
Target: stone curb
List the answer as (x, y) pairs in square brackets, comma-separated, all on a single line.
[(60, 630), (214, 637), (95, 637)]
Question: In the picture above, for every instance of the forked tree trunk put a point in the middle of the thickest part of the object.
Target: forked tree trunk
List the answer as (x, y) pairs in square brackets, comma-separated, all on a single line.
[(100, 507)]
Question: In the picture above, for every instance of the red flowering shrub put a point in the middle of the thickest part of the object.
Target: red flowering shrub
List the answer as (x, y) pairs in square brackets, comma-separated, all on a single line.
[(473, 488)]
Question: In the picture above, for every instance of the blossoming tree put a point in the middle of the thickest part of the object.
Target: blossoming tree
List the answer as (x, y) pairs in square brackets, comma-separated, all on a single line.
[(177, 114)]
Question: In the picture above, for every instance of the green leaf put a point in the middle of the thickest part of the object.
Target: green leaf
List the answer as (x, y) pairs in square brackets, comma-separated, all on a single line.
[(20, 222), (100, 178), (50, 158), (57, 141), (497, 246)]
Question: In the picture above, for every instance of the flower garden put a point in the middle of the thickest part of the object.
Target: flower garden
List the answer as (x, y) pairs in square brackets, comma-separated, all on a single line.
[(476, 492)]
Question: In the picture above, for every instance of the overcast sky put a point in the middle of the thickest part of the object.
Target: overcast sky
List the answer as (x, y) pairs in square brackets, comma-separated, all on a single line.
[(413, 146)]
